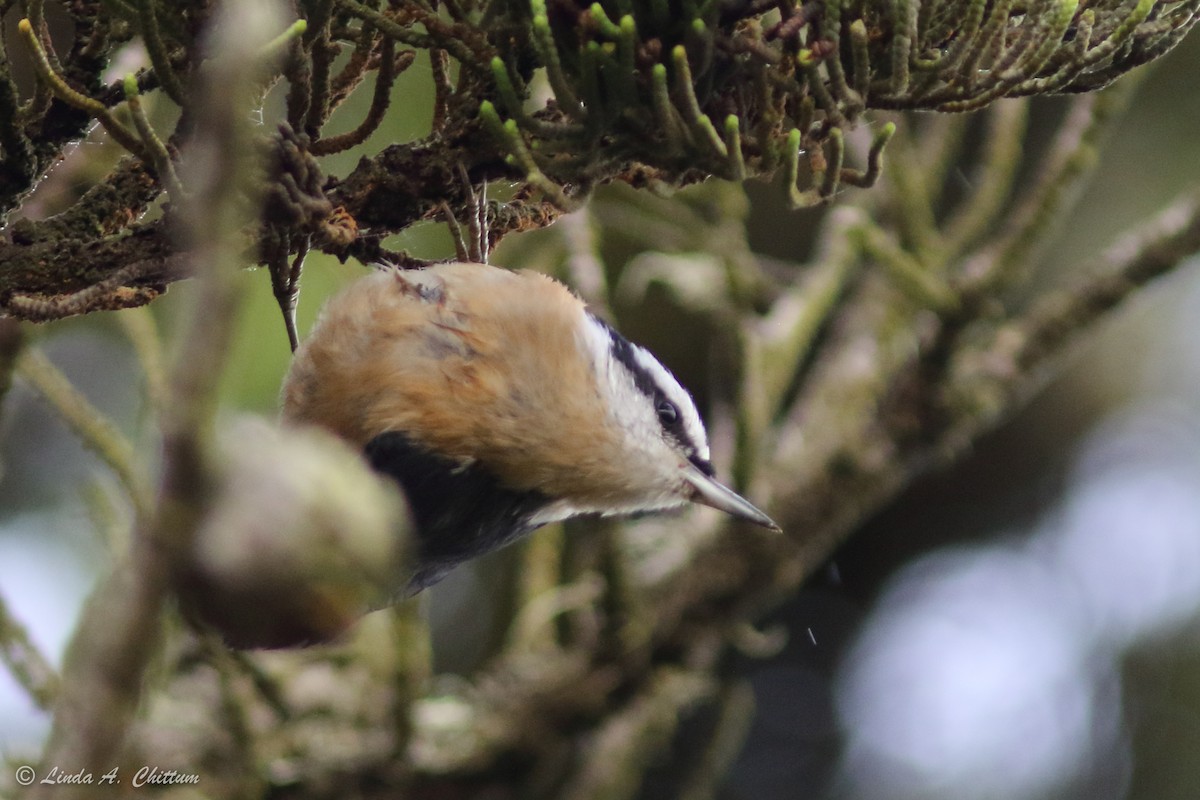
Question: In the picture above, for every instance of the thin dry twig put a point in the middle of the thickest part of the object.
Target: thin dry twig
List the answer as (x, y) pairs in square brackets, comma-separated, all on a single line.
[(100, 434), (25, 662)]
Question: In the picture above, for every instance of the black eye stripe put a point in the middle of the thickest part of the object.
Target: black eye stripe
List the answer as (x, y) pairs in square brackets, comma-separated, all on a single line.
[(625, 352)]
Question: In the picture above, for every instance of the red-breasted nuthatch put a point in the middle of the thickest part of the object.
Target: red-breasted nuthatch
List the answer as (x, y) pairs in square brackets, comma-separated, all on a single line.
[(499, 404)]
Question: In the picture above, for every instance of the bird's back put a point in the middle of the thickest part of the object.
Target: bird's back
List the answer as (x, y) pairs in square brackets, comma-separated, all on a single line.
[(459, 381), (475, 363)]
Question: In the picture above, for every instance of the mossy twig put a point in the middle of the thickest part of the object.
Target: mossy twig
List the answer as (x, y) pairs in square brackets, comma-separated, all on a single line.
[(148, 18), (120, 134)]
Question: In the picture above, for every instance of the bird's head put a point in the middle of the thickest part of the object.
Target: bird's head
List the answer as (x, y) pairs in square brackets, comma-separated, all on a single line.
[(657, 431)]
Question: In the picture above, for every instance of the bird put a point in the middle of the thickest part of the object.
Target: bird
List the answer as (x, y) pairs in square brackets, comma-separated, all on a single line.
[(499, 403)]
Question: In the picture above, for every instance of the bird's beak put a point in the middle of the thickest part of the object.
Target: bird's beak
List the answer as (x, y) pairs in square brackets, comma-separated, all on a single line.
[(711, 493)]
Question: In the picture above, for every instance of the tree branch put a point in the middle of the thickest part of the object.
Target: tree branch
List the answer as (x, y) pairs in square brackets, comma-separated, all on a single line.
[(122, 624)]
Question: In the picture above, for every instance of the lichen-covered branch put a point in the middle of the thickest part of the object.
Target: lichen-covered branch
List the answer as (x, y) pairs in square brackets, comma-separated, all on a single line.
[(639, 95), (1016, 358), (121, 627)]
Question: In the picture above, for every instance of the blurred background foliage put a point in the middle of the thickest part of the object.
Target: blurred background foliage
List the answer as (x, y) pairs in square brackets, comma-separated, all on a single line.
[(1022, 625)]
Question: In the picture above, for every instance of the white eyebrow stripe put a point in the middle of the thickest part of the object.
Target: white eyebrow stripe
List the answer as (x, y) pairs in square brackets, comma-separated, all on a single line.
[(598, 341)]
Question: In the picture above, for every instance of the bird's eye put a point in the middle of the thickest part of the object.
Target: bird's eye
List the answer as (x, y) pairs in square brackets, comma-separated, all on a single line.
[(668, 412)]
